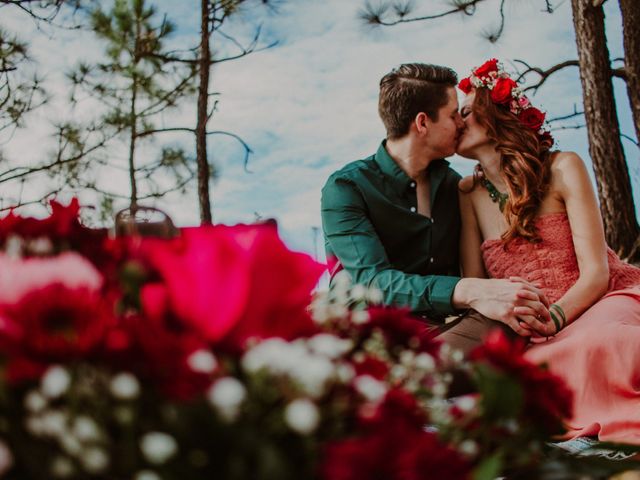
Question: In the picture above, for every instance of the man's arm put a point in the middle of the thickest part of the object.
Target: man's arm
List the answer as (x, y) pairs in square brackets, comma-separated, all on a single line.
[(353, 239)]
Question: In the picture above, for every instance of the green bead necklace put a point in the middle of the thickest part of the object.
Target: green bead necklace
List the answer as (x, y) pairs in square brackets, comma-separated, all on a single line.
[(496, 196)]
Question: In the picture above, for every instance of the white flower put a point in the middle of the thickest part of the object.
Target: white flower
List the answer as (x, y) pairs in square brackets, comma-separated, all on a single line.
[(41, 246), (13, 246), (313, 374), (358, 292), (6, 458), (466, 403), (55, 382), (302, 416), (54, 423), (70, 444), (329, 345), (469, 448), (398, 372), (345, 372), (374, 296), (35, 402), (457, 356), (86, 429), (439, 389), (124, 386), (94, 460), (202, 361), (425, 362), (61, 467), (158, 447), (146, 475), (360, 317), (226, 395), (372, 389)]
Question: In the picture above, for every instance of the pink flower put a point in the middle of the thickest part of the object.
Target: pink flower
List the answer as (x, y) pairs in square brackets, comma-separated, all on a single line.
[(18, 277), (233, 283)]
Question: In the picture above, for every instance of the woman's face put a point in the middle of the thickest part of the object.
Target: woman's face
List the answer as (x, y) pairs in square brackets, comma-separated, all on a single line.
[(474, 136)]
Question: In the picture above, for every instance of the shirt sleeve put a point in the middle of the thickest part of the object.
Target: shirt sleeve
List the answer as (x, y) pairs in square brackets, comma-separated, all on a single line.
[(353, 240)]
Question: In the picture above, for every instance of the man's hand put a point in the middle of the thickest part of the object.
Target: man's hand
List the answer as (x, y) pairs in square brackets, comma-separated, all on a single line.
[(514, 302)]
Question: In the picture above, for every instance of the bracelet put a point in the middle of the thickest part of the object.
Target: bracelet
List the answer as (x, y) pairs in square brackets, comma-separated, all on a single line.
[(559, 310), (555, 320)]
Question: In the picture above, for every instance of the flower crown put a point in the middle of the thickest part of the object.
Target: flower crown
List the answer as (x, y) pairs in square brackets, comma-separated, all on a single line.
[(505, 91)]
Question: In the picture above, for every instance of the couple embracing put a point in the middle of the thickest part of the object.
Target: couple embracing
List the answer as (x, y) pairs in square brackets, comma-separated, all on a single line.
[(519, 245)]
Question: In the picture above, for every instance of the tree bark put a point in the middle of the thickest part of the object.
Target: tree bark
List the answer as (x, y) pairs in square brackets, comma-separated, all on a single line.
[(605, 146), (201, 126), (630, 10)]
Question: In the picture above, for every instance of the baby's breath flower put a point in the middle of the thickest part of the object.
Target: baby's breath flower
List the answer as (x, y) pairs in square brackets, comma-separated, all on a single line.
[(158, 447), (202, 361), (226, 396), (124, 386), (55, 382), (302, 416)]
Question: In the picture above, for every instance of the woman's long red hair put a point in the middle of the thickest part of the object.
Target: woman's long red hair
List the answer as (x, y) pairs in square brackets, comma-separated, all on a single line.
[(525, 165)]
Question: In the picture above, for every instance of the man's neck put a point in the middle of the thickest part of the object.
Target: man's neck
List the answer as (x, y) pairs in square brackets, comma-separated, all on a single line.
[(410, 157)]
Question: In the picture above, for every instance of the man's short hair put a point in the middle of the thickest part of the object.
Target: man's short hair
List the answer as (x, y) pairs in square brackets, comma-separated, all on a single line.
[(410, 89)]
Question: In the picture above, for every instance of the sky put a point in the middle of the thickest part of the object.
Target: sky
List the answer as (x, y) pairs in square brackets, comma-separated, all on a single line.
[(308, 105)]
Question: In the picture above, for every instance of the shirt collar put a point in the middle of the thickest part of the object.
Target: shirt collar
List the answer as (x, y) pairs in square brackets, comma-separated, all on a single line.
[(400, 179)]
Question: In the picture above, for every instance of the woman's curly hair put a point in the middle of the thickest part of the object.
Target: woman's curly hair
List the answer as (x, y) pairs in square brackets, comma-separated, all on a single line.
[(525, 165)]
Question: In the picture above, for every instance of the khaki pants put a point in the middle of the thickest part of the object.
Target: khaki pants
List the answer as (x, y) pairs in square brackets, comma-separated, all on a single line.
[(469, 331)]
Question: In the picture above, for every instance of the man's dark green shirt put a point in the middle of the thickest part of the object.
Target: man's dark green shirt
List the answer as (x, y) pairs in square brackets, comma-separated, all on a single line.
[(371, 225)]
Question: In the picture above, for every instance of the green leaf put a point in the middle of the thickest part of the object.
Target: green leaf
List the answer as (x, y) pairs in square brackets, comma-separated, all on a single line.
[(502, 395), (489, 469)]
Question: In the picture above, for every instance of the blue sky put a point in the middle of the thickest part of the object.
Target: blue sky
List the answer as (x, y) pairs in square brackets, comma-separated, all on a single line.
[(309, 105)]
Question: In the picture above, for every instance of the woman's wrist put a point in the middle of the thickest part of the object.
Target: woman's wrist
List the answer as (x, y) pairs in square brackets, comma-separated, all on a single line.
[(558, 316)]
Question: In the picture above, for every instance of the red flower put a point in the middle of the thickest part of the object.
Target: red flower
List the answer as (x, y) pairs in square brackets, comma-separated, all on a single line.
[(548, 401), (465, 85), (400, 328), (532, 118), (372, 366), (54, 324), (233, 283), (486, 68), (393, 447), (501, 92)]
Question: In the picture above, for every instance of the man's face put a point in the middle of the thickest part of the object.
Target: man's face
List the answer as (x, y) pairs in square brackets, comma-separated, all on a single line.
[(443, 134)]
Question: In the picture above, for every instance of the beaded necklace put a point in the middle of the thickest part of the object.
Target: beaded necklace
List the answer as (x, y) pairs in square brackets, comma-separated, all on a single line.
[(496, 196)]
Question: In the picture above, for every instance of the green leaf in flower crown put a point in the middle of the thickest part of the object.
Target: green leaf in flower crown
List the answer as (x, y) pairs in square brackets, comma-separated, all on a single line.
[(502, 396), (489, 468)]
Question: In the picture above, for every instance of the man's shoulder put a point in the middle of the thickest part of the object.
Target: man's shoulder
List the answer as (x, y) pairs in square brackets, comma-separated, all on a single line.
[(353, 171)]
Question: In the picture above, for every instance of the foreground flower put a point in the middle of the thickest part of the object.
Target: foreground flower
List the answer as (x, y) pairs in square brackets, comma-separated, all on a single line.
[(546, 398), (234, 283), (53, 324)]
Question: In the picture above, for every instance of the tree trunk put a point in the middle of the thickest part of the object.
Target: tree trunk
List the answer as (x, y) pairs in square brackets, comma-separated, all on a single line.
[(201, 126), (605, 147), (630, 10)]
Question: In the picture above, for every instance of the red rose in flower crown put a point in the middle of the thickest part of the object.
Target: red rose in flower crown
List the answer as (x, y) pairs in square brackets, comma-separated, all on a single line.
[(532, 118), (465, 86), (501, 92), (486, 68), (505, 92)]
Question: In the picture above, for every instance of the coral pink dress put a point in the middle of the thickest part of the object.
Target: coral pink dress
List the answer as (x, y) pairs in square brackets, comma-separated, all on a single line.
[(598, 354)]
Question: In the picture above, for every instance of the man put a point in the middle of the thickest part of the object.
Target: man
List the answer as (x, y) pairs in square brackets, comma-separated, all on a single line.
[(392, 220)]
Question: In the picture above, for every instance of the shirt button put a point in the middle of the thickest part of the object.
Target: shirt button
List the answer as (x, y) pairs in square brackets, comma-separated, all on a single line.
[(413, 209), (412, 184)]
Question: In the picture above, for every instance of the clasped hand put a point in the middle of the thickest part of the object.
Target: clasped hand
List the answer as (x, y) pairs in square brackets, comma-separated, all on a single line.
[(516, 303)]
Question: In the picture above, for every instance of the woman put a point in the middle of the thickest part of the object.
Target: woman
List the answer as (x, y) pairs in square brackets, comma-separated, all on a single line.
[(532, 213)]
